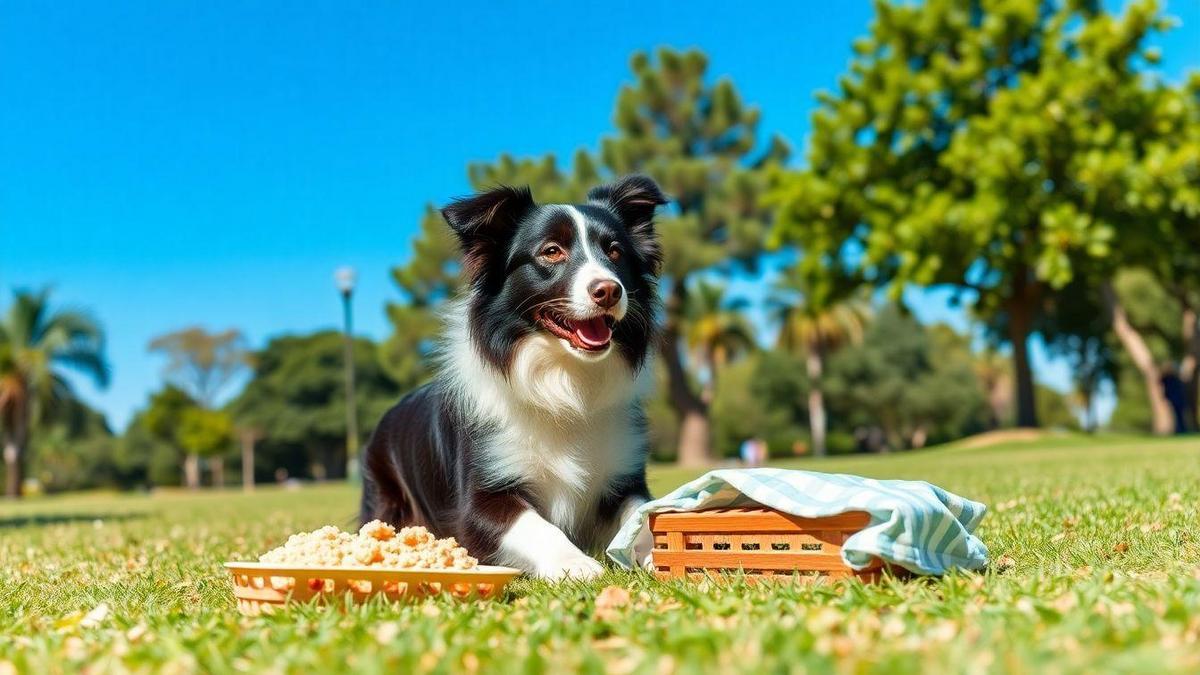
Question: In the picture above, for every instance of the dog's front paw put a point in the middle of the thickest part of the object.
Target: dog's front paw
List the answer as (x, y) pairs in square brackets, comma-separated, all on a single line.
[(574, 567)]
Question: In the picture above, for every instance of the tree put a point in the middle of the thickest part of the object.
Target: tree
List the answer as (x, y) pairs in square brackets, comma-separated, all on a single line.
[(207, 433), (1162, 197), (971, 144), (914, 384), (700, 142), (994, 374), (717, 332), (1076, 327), (37, 346), (296, 398), (203, 365), (817, 315), (76, 450), (759, 396), (1145, 321), (161, 422)]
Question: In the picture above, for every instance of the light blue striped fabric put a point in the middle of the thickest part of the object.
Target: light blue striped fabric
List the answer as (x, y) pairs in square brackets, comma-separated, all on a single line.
[(914, 524)]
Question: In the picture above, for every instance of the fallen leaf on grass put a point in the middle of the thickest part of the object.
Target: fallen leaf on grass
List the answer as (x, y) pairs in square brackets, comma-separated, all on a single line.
[(609, 601), (1121, 547)]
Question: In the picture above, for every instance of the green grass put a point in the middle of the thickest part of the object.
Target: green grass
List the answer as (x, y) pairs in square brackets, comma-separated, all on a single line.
[(1098, 540)]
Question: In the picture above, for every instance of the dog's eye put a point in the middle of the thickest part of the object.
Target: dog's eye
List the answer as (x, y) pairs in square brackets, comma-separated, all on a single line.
[(552, 253), (614, 252)]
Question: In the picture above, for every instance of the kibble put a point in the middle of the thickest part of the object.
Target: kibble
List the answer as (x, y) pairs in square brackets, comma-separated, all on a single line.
[(377, 544)]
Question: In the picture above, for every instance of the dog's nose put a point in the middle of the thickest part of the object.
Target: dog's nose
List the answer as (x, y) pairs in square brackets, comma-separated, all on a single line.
[(605, 292)]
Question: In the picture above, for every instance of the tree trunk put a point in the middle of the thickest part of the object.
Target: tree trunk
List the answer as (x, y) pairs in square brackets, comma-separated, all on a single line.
[(1162, 417), (1089, 415), (248, 461), (16, 442), (216, 465), (695, 438), (816, 400), (694, 442), (191, 471), (1020, 322), (12, 469), (1189, 367)]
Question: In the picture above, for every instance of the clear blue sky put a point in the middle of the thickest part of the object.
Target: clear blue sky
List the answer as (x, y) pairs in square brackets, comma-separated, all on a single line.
[(164, 164)]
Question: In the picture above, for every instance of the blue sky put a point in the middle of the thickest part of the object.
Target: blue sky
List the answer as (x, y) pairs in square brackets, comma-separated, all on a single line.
[(170, 164)]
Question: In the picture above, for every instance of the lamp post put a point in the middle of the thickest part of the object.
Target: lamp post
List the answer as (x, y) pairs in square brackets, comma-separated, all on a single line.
[(344, 277)]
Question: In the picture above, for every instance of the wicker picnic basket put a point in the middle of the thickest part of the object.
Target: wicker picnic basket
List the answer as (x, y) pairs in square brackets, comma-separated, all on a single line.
[(759, 542), (262, 587)]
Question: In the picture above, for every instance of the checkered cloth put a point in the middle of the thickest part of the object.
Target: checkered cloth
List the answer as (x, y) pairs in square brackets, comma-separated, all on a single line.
[(915, 525)]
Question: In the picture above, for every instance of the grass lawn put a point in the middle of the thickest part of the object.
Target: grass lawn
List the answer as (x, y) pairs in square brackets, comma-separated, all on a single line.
[(1096, 565)]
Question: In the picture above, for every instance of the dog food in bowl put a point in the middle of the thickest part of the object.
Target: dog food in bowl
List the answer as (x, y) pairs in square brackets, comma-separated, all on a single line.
[(376, 544)]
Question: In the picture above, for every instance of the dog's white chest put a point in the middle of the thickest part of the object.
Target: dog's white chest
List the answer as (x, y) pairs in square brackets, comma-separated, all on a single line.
[(567, 468)]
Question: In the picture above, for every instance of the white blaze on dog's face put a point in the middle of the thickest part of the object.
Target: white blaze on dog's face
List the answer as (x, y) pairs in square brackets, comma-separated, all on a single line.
[(598, 298)]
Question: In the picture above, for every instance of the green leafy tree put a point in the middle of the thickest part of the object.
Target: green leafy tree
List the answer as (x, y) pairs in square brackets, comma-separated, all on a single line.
[(77, 450), (759, 396), (914, 384), (701, 142), (203, 364), (296, 397), (817, 315), (1162, 201), (973, 144), (37, 346), (153, 434), (207, 433)]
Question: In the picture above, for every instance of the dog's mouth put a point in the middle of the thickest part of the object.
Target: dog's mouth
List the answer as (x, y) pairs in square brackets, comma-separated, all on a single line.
[(587, 335)]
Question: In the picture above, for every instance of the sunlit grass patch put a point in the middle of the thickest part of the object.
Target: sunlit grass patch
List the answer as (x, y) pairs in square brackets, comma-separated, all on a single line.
[(1094, 543)]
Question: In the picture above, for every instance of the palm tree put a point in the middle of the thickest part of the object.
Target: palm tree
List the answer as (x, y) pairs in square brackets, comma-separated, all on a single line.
[(817, 318), (35, 346), (715, 332)]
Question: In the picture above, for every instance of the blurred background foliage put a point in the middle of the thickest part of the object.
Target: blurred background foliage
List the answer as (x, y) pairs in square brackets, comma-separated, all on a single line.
[(1015, 151)]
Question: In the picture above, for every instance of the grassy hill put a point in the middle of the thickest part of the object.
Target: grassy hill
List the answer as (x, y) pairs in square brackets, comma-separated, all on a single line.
[(1097, 566)]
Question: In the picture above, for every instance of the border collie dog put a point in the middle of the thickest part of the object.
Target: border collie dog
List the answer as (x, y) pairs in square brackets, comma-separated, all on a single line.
[(529, 445)]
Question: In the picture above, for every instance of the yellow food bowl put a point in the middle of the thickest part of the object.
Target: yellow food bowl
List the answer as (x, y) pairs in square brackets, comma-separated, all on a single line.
[(259, 588)]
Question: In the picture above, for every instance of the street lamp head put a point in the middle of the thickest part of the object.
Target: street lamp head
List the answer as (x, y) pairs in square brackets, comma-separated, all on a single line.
[(345, 277)]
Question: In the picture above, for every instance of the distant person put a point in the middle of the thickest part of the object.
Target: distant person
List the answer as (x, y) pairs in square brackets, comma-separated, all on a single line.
[(746, 452), (1175, 392), (761, 451), (799, 448)]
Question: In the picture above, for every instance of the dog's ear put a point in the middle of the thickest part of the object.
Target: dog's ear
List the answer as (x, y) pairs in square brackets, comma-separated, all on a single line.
[(634, 199), (483, 222)]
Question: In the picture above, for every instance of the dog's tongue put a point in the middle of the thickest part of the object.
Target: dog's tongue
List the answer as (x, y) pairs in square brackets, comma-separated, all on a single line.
[(593, 332)]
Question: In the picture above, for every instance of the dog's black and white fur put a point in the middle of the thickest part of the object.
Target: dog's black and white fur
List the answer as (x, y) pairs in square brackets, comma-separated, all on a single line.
[(529, 446)]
